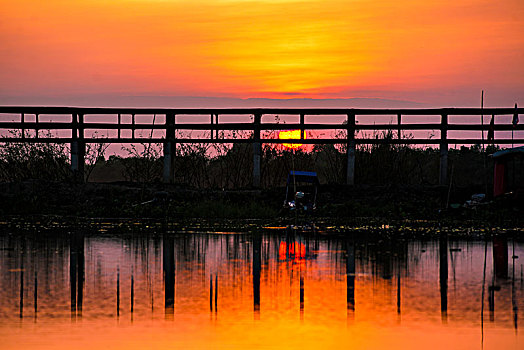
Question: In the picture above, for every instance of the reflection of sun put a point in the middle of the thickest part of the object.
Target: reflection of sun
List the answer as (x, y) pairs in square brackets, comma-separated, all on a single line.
[(293, 250)]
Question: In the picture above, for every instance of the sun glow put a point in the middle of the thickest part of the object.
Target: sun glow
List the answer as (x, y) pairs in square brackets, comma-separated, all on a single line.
[(272, 48), (291, 135)]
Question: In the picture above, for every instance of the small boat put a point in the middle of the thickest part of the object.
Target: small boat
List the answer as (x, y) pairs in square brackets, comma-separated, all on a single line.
[(301, 191)]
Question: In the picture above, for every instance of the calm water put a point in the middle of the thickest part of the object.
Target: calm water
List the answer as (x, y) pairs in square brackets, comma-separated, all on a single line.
[(97, 291)]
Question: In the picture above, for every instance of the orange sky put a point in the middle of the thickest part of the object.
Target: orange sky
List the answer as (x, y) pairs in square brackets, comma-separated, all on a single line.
[(442, 51)]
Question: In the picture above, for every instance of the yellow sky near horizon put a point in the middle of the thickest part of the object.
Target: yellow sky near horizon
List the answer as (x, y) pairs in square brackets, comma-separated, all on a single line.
[(271, 48)]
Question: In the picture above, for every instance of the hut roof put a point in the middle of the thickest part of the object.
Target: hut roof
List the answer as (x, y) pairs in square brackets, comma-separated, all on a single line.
[(509, 152)]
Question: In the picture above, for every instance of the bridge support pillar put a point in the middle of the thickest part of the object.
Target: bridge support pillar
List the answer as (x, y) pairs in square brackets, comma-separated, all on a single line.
[(78, 149), (257, 152), (169, 150), (169, 162), (350, 177), (78, 159), (443, 176)]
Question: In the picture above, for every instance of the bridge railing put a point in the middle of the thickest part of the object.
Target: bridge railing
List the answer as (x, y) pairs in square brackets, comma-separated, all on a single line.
[(77, 124)]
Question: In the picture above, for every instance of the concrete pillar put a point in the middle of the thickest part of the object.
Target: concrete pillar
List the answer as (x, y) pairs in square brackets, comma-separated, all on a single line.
[(257, 151), (443, 178), (169, 162), (169, 150), (350, 180), (78, 148)]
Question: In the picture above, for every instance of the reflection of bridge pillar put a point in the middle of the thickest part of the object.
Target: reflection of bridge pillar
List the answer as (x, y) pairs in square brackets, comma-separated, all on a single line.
[(350, 273), (301, 296), (22, 280), (81, 269), (257, 264), (399, 295), (491, 302), (500, 256), (443, 256), (35, 295), (168, 247), (118, 292), (76, 272)]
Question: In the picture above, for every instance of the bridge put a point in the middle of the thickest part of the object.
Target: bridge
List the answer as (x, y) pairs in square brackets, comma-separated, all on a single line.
[(78, 123)]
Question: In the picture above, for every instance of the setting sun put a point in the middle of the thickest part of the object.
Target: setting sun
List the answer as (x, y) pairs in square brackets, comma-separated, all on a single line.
[(291, 135)]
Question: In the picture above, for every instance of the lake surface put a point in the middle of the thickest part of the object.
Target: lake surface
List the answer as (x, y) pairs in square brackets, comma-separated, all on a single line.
[(258, 290)]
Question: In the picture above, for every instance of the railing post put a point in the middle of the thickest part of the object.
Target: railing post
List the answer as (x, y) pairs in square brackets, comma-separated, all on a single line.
[(169, 149), (36, 122), (443, 178), (133, 127), (399, 124), (23, 127), (302, 131), (119, 124), (78, 148), (257, 150), (211, 131), (216, 122), (350, 179)]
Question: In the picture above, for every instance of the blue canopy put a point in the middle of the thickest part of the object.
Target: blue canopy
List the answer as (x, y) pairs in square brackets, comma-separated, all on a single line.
[(303, 176)]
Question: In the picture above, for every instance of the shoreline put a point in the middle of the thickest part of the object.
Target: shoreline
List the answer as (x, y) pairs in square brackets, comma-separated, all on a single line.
[(338, 205), (361, 227)]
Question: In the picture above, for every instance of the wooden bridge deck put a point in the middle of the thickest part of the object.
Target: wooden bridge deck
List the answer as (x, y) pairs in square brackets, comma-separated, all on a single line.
[(77, 125)]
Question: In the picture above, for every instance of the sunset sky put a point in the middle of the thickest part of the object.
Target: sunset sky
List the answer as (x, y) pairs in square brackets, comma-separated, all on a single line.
[(436, 52)]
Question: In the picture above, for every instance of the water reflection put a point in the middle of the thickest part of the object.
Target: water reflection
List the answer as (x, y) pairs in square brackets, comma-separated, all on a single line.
[(168, 249), (350, 273), (284, 281), (76, 272), (257, 244), (443, 269)]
